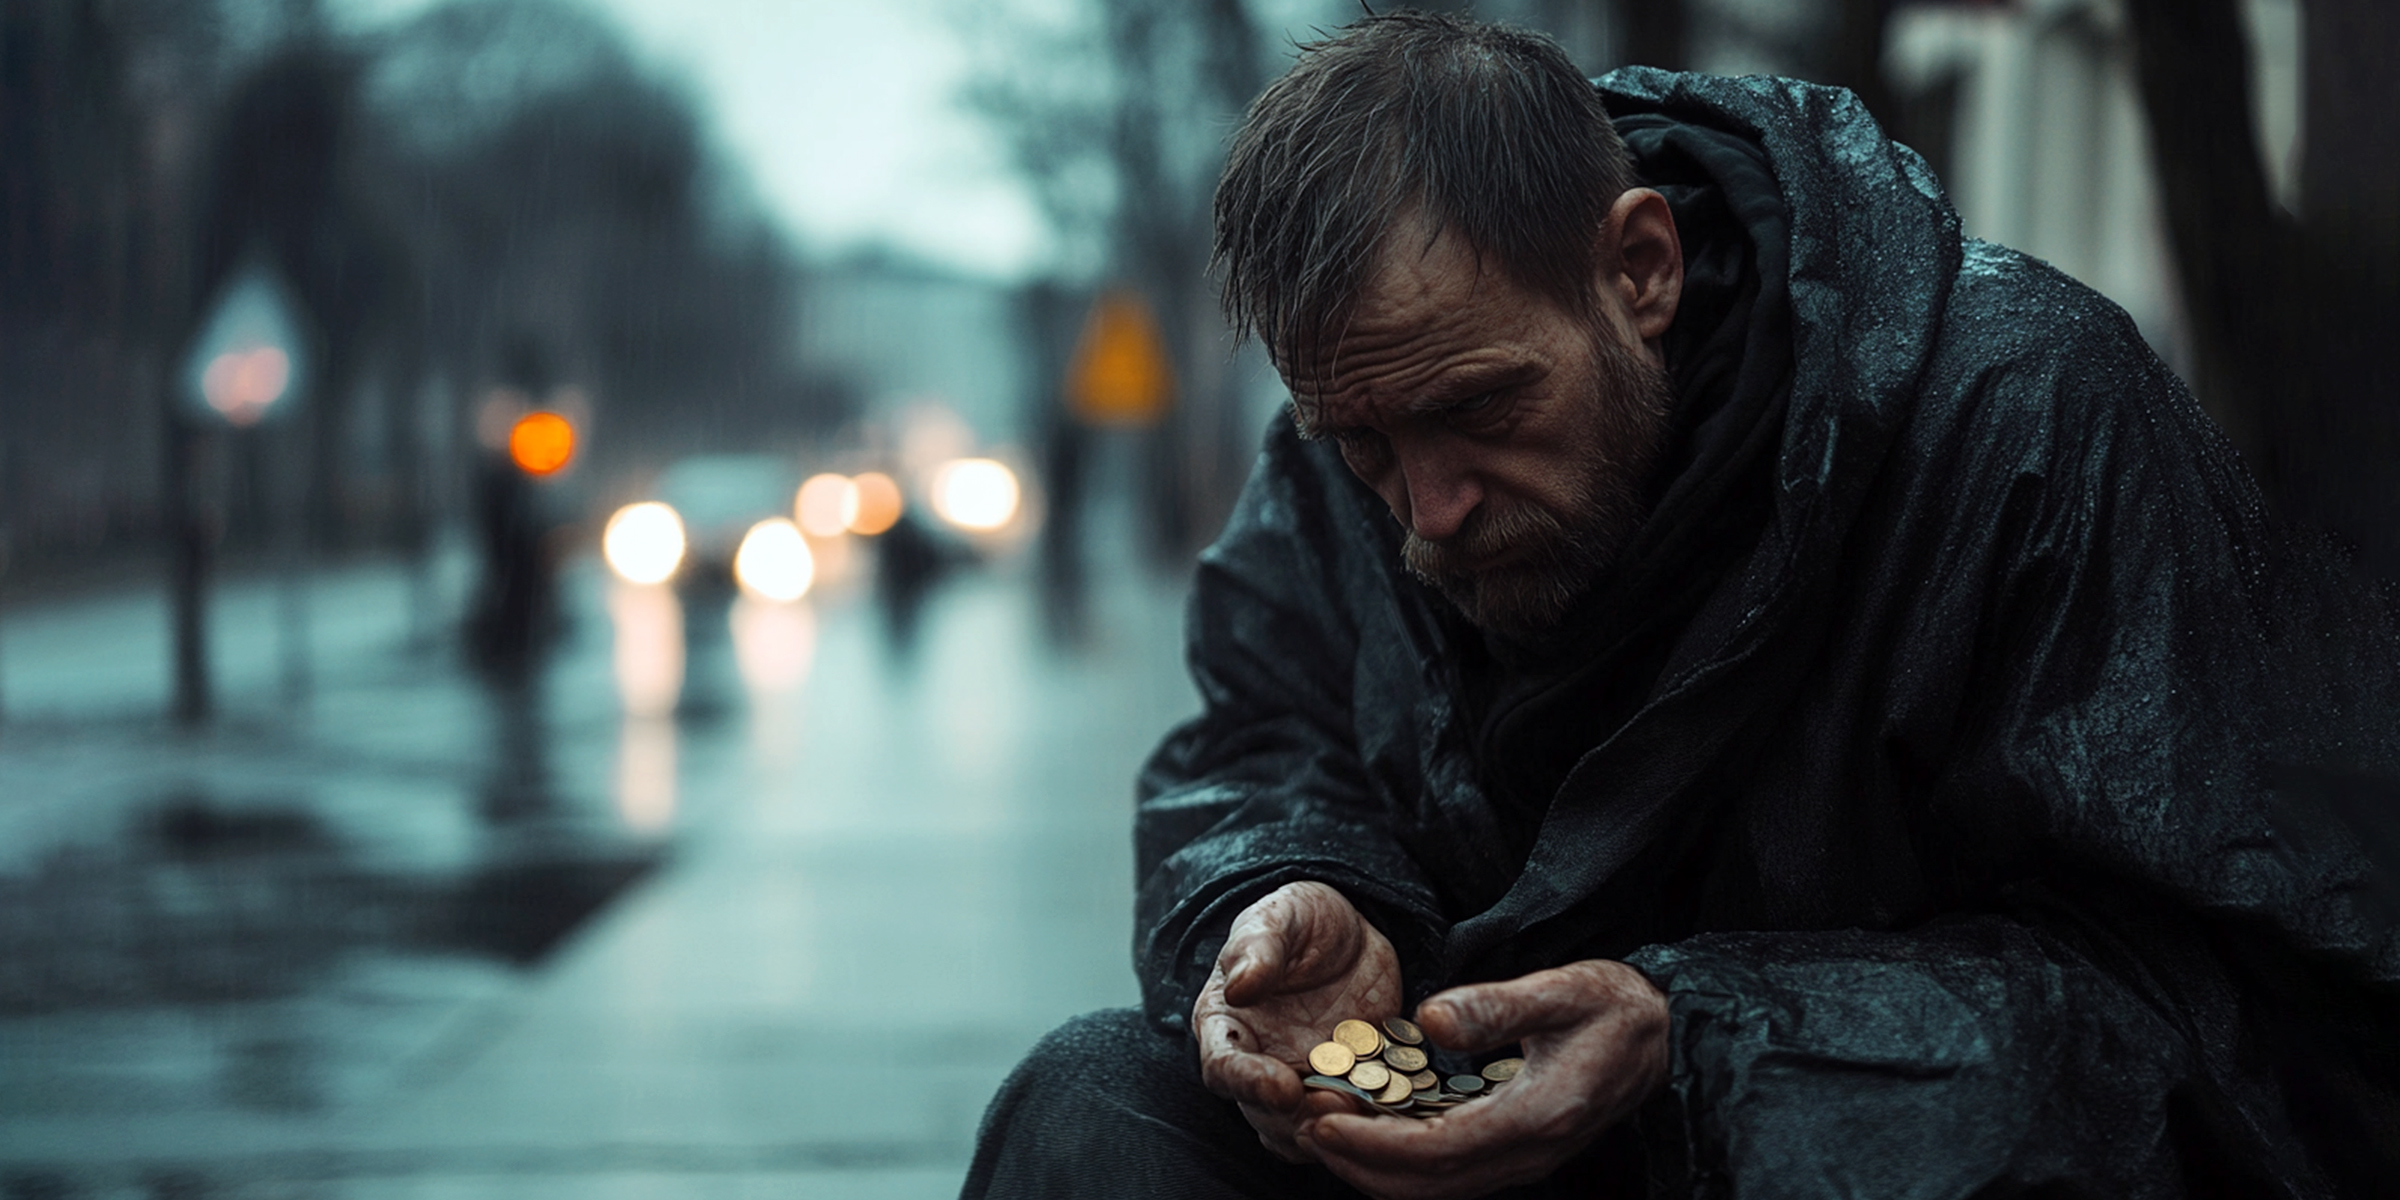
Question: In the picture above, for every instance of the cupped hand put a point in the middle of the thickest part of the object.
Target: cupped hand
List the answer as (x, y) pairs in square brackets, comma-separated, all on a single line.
[(1295, 964), (1595, 1042)]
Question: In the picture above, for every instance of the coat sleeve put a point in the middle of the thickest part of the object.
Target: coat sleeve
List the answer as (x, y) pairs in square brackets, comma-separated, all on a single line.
[(2130, 997), (1265, 787)]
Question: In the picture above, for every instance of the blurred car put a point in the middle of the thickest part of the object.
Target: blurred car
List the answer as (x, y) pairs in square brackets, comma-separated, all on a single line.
[(719, 497), (693, 527)]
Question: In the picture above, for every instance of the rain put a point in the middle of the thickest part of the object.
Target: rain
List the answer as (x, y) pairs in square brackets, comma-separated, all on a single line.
[(584, 583)]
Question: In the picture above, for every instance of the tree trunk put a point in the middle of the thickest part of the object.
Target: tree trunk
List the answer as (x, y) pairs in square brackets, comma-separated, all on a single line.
[(2290, 319), (1858, 58), (2231, 245), (2350, 235)]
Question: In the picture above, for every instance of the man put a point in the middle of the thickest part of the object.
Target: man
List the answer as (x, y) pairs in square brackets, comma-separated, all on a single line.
[(1808, 682)]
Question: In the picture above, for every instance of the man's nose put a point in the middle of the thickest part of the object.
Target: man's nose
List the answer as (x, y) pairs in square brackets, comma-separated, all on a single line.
[(1440, 493)]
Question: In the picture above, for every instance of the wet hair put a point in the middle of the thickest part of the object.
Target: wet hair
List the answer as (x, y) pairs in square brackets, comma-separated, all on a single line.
[(1488, 131)]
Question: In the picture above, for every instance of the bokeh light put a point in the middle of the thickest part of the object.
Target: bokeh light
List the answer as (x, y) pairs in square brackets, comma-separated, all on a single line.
[(836, 561), (648, 657), (879, 503), (930, 435), (977, 494), (773, 562), (773, 645), (646, 773), (644, 542), (648, 652), (244, 384), (827, 505), (541, 443)]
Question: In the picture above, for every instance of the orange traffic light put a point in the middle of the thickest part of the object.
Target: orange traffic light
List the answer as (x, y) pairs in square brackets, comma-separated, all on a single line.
[(541, 443)]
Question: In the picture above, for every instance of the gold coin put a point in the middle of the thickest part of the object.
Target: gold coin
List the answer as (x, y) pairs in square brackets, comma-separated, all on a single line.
[(1332, 1058), (1371, 1075), (1466, 1085), (1404, 1031), (1503, 1070), (1331, 1084), (1404, 1059), (1360, 1037), (1425, 1081), (1395, 1091)]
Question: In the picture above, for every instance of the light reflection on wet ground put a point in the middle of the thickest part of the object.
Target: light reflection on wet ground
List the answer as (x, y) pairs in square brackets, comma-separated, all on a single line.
[(350, 950)]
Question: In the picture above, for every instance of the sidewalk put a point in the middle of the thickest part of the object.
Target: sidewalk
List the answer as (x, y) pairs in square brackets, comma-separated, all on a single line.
[(869, 897)]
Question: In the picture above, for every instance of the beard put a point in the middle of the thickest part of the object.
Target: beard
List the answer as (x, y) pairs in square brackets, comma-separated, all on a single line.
[(1545, 560)]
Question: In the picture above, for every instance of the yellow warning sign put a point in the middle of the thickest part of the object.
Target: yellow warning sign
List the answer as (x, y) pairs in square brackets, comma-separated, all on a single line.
[(1120, 374)]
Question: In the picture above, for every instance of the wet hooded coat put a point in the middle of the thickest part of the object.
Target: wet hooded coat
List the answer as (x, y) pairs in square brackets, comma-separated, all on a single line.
[(1922, 748)]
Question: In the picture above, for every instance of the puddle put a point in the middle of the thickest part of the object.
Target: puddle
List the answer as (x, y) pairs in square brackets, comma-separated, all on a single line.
[(244, 955), (204, 901)]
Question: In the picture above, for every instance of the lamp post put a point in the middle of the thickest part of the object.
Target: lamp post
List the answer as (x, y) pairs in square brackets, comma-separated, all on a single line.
[(246, 367)]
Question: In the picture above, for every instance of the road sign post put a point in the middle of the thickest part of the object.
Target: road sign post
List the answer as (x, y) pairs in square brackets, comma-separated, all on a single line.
[(248, 364)]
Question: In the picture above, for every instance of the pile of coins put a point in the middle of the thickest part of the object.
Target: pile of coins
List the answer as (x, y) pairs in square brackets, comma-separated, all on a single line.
[(1389, 1068)]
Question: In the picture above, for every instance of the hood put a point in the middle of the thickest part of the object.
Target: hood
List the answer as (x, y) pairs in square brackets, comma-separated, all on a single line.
[(1872, 252), (1870, 249)]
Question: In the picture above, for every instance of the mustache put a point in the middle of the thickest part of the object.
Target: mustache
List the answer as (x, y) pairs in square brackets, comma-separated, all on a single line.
[(1488, 533), (1556, 550)]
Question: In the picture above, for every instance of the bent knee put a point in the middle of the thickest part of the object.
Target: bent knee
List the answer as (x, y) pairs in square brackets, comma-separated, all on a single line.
[(1104, 1044), (1106, 1105)]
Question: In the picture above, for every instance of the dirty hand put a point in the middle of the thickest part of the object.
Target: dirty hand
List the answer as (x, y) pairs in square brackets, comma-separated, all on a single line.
[(1295, 964), (1595, 1040)]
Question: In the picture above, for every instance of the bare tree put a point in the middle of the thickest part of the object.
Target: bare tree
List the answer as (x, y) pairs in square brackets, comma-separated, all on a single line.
[(1124, 149), (2290, 314), (559, 195)]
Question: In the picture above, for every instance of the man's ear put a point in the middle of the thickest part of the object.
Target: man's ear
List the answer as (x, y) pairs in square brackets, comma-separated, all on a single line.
[(1640, 264)]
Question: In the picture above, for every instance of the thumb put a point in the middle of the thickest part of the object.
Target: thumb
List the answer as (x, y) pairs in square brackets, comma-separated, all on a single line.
[(1299, 936), (1254, 959), (1481, 1016)]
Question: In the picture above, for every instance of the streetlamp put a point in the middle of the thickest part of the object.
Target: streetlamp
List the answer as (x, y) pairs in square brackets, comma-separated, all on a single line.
[(247, 366)]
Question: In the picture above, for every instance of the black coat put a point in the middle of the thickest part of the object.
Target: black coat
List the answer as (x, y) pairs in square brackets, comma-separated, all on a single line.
[(1942, 800)]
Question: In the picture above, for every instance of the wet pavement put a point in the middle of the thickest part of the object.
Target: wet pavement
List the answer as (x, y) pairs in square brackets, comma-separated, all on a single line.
[(729, 902)]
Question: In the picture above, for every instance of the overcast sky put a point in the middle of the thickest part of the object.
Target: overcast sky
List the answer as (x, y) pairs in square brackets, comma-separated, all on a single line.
[(842, 113)]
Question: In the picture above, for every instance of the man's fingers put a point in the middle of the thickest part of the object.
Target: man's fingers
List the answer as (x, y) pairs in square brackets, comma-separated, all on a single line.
[(1253, 957), (1480, 1016), (1251, 971), (1230, 1066), (1253, 1079), (1434, 1146), (1275, 1133), (1461, 1153), (1301, 935)]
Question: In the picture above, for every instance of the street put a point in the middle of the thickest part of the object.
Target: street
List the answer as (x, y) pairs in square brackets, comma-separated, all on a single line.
[(383, 930)]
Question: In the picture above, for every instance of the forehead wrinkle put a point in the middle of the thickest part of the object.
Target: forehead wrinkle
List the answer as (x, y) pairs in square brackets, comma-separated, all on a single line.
[(1412, 312), (1383, 261), (1413, 381)]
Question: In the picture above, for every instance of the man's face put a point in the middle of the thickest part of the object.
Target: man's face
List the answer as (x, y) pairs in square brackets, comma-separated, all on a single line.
[(1511, 437)]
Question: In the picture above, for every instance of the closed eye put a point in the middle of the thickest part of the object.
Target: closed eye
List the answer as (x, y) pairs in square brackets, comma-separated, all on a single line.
[(1478, 412), (1363, 449)]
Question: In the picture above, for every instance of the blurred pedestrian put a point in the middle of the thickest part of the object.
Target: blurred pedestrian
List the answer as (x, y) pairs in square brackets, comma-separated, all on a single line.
[(909, 563), (514, 614), (514, 609)]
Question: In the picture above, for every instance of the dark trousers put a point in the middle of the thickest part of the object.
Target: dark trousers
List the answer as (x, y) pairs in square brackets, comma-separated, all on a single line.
[(1107, 1106)]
